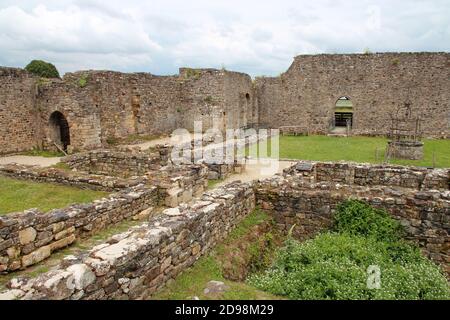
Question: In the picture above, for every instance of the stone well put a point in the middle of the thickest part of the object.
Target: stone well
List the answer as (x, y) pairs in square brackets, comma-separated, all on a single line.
[(410, 150)]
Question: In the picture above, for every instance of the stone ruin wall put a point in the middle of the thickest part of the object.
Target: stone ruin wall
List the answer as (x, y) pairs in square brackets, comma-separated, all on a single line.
[(377, 85), (78, 179), (119, 163), (19, 121), (137, 263), (113, 105), (308, 197), (31, 236), (350, 173)]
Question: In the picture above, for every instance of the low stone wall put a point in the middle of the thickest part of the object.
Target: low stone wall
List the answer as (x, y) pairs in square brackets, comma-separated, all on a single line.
[(294, 131), (223, 171), (137, 263), (310, 206), (77, 179), (371, 175), (119, 163), (31, 236), (179, 184)]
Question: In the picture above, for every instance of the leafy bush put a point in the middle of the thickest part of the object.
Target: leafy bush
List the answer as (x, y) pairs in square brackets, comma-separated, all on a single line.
[(83, 81), (358, 218), (42, 69), (335, 265)]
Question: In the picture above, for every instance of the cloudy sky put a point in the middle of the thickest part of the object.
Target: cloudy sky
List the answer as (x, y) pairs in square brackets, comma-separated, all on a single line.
[(253, 36)]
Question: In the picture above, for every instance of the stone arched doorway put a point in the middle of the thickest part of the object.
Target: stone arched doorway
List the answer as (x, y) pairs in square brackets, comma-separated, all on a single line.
[(59, 130)]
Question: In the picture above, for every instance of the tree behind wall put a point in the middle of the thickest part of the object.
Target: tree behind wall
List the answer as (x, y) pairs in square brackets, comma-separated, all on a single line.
[(42, 69)]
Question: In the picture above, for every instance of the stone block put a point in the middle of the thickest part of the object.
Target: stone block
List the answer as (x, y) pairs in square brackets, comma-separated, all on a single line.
[(27, 235), (36, 256)]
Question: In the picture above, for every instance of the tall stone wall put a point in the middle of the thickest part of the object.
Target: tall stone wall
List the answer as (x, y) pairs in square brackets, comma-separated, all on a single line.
[(220, 99), (77, 105), (377, 85), (19, 119), (101, 106)]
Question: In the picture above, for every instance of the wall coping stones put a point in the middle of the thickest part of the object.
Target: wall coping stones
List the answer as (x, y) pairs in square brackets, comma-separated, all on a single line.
[(352, 173), (75, 178)]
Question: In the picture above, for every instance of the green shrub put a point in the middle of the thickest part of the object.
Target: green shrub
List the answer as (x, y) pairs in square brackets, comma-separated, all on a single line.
[(112, 141), (83, 81), (358, 218), (193, 73), (42, 69), (335, 265)]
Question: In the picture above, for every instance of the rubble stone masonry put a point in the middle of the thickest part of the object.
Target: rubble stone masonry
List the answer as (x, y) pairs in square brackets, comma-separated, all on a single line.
[(377, 85), (101, 106), (135, 264)]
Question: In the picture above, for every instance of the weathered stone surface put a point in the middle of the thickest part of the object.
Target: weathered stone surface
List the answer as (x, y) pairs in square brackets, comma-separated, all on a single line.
[(215, 287), (146, 257), (62, 243), (36, 256), (306, 95), (60, 228), (82, 275), (308, 201), (27, 235)]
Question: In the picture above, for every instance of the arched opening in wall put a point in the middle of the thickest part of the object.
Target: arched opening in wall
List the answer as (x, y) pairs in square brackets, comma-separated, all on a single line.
[(59, 130), (343, 113)]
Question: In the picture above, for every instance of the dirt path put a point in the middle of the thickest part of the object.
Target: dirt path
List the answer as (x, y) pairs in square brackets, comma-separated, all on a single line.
[(259, 169), (30, 160), (162, 140)]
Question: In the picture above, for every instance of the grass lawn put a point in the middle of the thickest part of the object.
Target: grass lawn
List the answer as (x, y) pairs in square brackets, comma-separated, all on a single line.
[(194, 280), (17, 195), (357, 149)]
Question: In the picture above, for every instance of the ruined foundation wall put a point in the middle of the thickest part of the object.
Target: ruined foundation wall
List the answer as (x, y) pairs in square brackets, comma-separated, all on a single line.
[(137, 263), (71, 178), (29, 237), (350, 173), (377, 85), (19, 119), (118, 163), (310, 206)]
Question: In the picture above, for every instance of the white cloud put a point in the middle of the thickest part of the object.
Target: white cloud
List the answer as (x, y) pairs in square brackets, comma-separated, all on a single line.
[(251, 36)]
